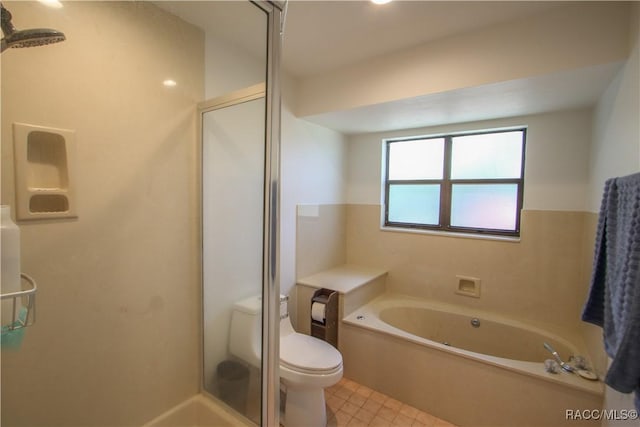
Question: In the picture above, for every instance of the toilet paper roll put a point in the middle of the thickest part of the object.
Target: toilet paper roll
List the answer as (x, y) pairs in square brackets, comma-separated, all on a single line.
[(318, 311)]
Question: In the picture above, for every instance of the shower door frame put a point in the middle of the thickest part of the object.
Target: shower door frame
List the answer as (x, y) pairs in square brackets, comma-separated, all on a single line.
[(270, 381), (271, 278)]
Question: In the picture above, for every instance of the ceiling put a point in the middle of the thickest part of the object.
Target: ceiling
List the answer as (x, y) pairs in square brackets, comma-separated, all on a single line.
[(322, 36), (325, 35)]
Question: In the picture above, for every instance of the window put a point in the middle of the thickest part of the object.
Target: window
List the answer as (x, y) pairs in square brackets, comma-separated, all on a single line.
[(468, 183)]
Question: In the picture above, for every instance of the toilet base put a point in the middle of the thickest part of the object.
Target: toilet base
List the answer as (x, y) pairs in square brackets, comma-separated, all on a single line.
[(305, 407)]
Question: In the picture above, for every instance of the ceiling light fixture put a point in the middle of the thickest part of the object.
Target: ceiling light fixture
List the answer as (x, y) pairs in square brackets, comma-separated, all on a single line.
[(51, 3), (380, 1), (169, 83)]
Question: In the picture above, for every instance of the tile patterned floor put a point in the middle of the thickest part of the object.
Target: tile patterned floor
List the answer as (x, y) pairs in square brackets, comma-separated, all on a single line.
[(350, 404)]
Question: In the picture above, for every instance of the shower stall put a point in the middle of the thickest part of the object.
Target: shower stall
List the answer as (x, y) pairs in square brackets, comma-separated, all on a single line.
[(174, 109)]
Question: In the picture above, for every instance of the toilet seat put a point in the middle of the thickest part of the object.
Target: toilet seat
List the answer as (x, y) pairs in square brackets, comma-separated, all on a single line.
[(310, 355)]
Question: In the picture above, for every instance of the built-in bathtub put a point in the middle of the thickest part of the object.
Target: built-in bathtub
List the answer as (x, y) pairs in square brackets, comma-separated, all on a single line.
[(468, 368)]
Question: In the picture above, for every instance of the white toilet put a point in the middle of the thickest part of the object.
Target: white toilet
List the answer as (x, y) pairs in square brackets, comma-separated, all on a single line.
[(307, 364)]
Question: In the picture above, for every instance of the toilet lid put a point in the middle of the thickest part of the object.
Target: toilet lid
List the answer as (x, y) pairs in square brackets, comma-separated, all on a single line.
[(306, 353)]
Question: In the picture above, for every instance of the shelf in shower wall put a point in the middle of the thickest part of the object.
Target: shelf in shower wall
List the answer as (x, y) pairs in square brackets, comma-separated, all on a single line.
[(45, 172)]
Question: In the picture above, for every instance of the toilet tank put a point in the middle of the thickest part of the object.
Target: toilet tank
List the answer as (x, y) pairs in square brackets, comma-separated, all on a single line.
[(245, 335)]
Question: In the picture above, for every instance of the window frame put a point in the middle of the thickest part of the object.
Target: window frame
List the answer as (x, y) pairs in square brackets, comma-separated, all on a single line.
[(446, 185)]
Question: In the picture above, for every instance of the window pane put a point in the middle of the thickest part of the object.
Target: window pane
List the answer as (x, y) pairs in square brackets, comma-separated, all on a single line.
[(492, 206), (491, 155), (414, 204), (419, 159)]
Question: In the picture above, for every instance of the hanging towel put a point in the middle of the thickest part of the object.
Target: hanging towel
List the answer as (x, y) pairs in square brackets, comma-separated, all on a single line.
[(614, 297)]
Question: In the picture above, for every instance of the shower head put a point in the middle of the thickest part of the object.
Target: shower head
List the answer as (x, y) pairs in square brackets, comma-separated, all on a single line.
[(25, 38)]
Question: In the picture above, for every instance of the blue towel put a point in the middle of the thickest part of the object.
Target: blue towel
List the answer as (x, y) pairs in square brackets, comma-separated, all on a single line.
[(614, 298)]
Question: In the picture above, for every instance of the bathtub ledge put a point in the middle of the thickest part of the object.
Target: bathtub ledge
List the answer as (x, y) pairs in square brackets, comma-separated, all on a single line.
[(343, 279)]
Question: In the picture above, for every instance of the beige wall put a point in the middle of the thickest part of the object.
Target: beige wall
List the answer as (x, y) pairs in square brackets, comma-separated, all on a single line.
[(117, 332), (313, 171), (615, 151), (615, 148), (556, 165)]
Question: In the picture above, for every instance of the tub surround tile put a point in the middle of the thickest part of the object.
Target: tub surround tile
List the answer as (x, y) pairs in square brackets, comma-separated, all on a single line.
[(517, 277), (372, 412), (321, 238)]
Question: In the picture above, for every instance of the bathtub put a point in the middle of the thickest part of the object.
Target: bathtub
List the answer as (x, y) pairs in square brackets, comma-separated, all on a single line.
[(469, 368)]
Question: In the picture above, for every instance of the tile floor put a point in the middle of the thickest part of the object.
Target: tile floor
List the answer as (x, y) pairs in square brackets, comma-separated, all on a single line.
[(350, 404)]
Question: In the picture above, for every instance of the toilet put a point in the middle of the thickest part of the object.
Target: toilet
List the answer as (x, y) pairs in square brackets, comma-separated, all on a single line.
[(307, 364)]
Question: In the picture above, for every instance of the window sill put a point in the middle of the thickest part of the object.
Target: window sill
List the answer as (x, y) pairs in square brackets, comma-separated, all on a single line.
[(509, 239)]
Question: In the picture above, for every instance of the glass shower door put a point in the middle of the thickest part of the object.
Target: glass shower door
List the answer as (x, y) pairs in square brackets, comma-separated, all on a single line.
[(240, 150), (233, 216)]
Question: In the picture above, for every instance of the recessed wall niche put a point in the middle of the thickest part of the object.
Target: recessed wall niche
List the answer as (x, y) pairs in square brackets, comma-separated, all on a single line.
[(44, 166)]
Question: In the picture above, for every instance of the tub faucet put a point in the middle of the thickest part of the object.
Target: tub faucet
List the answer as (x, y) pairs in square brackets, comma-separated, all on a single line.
[(555, 354)]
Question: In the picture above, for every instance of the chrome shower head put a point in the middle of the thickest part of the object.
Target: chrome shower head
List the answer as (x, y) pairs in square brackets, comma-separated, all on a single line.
[(25, 38)]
